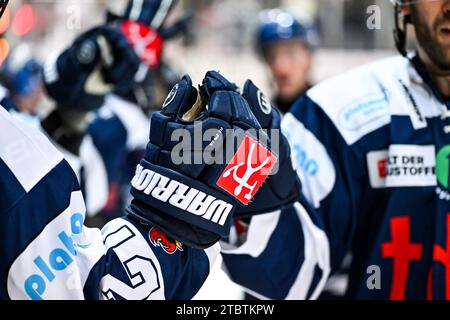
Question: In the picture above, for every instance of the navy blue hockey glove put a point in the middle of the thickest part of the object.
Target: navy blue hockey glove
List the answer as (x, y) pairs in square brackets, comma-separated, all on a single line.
[(206, 154), (99, 61), (282, 188)]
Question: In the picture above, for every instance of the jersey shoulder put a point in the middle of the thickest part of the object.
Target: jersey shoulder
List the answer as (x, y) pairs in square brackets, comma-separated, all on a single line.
[(363, 100), (26, 156)]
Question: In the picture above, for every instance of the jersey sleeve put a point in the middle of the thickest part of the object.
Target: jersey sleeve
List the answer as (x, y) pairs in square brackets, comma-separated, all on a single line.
[(46, 251), (139, 262), (290, 253), (117, 129), (66, 260)]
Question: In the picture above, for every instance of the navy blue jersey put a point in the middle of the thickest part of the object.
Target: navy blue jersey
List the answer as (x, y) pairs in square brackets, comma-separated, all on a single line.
[(117, 130), (371, 148), (47, 253), (119, 127)]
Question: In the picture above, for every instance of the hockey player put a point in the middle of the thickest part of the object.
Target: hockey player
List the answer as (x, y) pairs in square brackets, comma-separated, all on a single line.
[(287, 47), (165, 246), (21, 85), (119, 129), (371, 148), (78, 80), (117, 133)]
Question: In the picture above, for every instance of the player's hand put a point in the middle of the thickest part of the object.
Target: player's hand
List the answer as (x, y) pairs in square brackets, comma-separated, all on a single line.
[(283, 187), (99, 61), (190, 189)]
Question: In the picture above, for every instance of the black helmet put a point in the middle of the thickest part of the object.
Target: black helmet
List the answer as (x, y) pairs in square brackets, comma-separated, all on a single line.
[(401, 21)]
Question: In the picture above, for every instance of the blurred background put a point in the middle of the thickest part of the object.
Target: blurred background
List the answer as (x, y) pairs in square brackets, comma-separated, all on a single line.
[(221, 36)]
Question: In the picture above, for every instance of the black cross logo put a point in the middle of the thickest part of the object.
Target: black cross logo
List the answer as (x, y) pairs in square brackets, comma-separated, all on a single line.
[(3, 5)]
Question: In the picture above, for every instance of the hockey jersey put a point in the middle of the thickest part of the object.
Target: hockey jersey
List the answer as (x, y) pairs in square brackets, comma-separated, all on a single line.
[(47, 253), (116, 137), (116, 140), (372, 150)]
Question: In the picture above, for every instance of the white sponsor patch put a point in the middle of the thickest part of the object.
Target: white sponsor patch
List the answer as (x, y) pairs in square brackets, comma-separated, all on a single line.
[(363, 100), (310, 159), (402, 166), (364, 111), (55, 264), (356, 113)]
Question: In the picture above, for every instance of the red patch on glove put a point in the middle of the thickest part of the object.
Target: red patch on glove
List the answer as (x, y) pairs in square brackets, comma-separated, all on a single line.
[(247, 171)]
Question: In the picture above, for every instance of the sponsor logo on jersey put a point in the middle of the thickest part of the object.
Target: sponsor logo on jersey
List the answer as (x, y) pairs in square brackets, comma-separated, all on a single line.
[(247, 170), (308, 165), (402, 166), (181, 196), (364, 111), (56, 259), (382, 168), (160, 239), (310, 159), (443, 173)]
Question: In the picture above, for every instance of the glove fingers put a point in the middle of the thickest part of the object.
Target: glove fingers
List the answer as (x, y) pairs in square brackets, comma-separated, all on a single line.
[(180, 98), (214, 81), (259, 104), (125, 60), (225, 102), (232, 108)]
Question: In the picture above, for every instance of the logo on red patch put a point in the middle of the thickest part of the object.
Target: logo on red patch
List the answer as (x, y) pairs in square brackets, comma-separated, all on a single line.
[(247, 170), (147, 42), (382, 168), (160, 239)]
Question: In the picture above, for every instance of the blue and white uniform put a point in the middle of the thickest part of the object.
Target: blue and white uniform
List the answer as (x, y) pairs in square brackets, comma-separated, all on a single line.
[(371, 148), (48, 254), (118, 130)]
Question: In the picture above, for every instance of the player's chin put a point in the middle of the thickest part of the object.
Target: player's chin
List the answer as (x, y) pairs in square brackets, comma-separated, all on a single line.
[(442, 53), (287, 90)]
